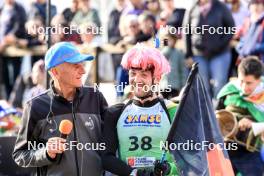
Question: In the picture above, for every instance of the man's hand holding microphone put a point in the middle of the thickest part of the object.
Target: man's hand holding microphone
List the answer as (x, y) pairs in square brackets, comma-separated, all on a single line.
[(56, 145)]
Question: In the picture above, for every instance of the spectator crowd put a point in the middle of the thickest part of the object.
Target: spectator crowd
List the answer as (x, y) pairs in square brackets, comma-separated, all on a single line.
[(131, 22)]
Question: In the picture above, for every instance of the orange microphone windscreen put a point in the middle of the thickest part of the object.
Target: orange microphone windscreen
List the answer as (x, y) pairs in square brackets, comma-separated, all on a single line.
[(65, 127)]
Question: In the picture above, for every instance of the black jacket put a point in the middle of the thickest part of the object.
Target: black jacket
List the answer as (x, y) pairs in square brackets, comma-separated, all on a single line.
[(15, 24), (22, 84), (206, 44), (113, 29), (40, 121), (176, 18)]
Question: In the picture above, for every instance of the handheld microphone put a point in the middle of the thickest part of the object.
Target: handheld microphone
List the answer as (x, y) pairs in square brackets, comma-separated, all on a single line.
[(65, 129)]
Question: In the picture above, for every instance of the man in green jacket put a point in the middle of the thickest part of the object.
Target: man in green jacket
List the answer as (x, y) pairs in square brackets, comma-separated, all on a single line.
[(245, 98)]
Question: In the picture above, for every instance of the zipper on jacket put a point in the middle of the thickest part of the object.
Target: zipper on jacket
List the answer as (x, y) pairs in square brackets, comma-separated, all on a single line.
[(75, 138)]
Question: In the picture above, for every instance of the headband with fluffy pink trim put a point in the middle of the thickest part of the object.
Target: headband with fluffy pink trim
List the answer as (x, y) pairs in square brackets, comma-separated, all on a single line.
[(142, 56)]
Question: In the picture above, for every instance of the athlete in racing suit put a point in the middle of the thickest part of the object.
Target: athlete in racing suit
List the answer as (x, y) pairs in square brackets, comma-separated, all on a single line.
[(134, 131)]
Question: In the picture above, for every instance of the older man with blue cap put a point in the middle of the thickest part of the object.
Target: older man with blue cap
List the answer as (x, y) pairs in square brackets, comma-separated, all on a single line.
[(38, 143)]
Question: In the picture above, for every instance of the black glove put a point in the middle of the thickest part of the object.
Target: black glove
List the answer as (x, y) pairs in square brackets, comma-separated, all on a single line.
[(143, 172), (161, 169)]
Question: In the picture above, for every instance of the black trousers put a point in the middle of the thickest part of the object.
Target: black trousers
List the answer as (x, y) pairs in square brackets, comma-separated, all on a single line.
[(11, 69)]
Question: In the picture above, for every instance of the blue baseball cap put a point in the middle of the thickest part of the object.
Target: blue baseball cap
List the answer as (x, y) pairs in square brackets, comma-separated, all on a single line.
[(64, 52)]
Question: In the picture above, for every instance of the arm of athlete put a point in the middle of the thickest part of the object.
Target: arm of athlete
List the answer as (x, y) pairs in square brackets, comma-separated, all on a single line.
[(110, 160)]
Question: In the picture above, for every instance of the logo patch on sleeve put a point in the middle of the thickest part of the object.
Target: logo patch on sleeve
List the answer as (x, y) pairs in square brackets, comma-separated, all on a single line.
[(140, 161)]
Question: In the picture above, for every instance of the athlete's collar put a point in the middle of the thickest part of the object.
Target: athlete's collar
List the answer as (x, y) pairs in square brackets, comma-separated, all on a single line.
[(148, 103)]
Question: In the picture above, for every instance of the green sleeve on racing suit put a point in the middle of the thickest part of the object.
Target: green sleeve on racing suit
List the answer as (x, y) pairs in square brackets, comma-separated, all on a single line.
[(172, 108)]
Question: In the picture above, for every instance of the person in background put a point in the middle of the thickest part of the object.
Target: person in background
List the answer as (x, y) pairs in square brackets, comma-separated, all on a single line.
[(173, 82), (239, 12), (113, 22), (20, 93), (162, 20), (38, 76), (59, 23), (252, 40), (153, 7), (28, 85), (22, 84), (135, 7), (12, 23), (90, 34), (86, 14), (90, 40), (210, 50), (113, 31), (12, 27), (38, 10), (147, 25), (175, 15), (130, 30), (69, 12), (33, 37)]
